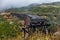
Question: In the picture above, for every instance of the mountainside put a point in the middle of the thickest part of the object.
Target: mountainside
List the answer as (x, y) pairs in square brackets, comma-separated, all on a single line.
[(53, 3), (38, 8)]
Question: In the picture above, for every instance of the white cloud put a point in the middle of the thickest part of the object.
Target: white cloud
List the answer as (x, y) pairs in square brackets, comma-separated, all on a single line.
[(19, 3)]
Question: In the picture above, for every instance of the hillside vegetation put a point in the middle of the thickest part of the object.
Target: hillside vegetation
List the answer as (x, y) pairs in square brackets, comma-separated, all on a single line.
[(11, 30), (49, 8)]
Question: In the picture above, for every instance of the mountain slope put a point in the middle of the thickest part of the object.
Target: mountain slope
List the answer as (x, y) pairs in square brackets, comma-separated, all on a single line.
[(38, 8)]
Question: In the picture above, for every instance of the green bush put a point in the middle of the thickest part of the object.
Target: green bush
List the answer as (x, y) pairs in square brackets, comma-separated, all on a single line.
[(7, 29)]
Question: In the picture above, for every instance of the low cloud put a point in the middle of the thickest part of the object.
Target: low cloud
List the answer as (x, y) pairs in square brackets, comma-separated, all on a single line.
[(19, 3)]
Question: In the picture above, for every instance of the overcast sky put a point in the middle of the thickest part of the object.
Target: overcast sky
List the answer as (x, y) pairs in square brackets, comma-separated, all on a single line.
[(19, 3)]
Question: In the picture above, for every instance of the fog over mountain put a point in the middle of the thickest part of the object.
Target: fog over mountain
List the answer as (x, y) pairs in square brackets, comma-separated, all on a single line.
[(5, 4)]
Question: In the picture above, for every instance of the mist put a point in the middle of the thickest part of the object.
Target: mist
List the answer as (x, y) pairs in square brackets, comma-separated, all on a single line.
[(5, 4)]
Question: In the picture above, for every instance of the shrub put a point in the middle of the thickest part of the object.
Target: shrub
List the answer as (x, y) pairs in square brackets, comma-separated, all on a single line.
[(7, 29)]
